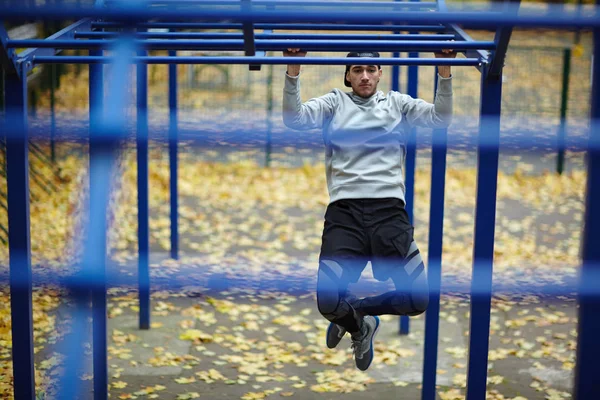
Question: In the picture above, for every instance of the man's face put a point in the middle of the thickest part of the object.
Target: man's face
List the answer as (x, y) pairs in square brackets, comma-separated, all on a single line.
[(364, 79)]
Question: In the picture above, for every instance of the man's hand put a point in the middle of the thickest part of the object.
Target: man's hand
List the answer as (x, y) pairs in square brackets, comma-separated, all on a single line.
[(445, 70), (294, 53), (445, 53), (294, 69)]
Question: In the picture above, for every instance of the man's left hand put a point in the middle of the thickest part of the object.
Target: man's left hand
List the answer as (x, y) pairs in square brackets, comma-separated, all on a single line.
[(444, 70), (445, 53)]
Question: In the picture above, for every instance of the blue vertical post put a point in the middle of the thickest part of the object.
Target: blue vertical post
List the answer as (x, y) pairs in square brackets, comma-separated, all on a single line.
[(269, 144), (396, 74), (434, 263), (142, 186), (586, 384), (485, 217), (411, 158), (19, 246), (173, 162), (100, 361)]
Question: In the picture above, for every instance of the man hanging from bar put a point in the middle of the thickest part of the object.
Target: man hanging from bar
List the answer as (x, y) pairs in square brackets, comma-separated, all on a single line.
[(364, 133)]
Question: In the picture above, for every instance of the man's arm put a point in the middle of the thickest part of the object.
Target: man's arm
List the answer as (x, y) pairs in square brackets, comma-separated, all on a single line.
[(444, 70), (294, 69), (295, 114), (439, 114)]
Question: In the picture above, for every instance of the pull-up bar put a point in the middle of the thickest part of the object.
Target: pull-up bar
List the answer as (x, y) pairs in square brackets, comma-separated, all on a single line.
[(253, 60), (261, 44), (283, 26), (290, 3), (280, 36), (510, 16)]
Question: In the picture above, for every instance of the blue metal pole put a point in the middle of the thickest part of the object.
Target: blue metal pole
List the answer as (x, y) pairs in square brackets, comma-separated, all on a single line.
[(72, 345), (96, 93), (396, 68), (261, 44), (17, 181), (264, 35), (485, 217), (272, 4), (234, 60), (142, 185), (396, 74), (173, 161), (586, 384), (434, 264), (281, 26), (552, 17), (411, 158)]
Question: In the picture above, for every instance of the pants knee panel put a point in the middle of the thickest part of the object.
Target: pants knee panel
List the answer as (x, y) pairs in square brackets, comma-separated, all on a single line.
[(419, 303), (328, 287)]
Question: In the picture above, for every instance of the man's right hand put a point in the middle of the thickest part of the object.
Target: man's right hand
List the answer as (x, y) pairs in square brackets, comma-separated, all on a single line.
[(293, 69), (294, 53)]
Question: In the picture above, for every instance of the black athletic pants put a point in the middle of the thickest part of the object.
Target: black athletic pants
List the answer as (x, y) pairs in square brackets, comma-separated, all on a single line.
[(357, 231)]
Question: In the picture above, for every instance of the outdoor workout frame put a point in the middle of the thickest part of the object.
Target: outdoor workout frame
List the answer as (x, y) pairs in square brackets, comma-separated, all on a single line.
[(137, 17)]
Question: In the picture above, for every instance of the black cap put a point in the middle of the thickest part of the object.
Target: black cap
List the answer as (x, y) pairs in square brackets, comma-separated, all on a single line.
[(371, 54)]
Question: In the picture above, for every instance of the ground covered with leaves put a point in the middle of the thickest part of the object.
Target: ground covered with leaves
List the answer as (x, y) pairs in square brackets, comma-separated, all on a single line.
[(236, 317)]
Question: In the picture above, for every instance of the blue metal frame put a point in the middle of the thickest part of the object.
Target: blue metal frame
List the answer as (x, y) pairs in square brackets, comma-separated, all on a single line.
[(411, 161), (586, 383), (173, 158), (27, 56), (251, 60), (434, 263), (273, 4), (282, 26), (552, 17), (261, 44), (266, 34), (19, 244), (485, 217), (462, 35), (502, 38), (96, 104), (143, 203), (248, 19)]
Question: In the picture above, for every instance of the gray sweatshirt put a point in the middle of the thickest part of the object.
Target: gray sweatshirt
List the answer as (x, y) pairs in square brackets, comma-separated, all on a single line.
[(365, 138)]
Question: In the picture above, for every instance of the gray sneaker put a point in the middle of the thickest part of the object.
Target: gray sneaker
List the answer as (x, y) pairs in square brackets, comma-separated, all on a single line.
[(363, 345), (335, 333)]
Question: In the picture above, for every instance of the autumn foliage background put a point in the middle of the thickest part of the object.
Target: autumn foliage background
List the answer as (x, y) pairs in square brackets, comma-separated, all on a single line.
[(239, 217)]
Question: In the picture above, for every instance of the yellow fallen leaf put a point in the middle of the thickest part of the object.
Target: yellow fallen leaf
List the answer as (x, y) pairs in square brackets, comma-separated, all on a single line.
[(119, 385), (188, 396), (183, 380), (196, 335)]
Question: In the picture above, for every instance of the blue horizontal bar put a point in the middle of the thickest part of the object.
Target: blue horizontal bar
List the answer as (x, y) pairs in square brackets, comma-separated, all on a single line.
[(323, 27), (254, 60), (552, 17), (114, 277), (66, 33), (279, 36), (291, 3), (262, 44), (462, 35)]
